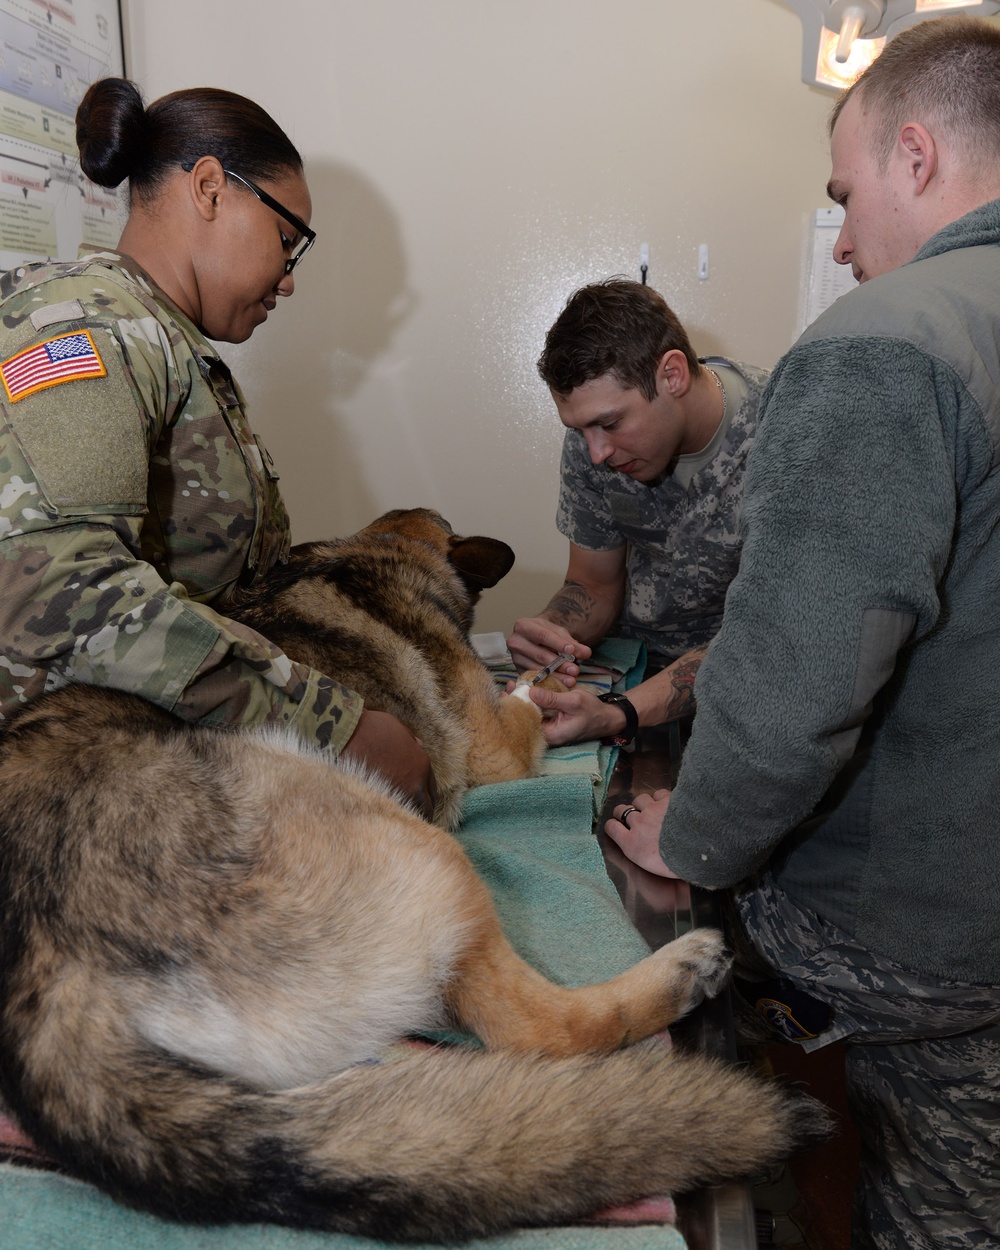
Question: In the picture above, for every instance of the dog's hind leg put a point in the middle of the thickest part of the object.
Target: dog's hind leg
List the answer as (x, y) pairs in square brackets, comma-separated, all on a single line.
[(511, 1006)]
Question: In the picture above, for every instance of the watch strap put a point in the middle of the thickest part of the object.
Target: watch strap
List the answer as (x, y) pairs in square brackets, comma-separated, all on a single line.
[(628, 734)]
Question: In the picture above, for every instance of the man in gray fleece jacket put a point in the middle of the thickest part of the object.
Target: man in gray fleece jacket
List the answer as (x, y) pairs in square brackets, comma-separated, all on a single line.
[(843, 774)]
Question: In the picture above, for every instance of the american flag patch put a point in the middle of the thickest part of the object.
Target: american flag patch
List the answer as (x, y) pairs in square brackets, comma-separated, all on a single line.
[(65, 358)]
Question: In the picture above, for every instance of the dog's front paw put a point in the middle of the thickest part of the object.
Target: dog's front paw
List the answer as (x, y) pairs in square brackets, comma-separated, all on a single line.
[(552, 681)]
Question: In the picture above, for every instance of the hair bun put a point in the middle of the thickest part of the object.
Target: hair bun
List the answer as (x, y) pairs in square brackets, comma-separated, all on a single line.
[(110, 126)]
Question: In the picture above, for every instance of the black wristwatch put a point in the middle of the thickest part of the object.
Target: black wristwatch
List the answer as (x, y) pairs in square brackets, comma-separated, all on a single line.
[(628, 734)]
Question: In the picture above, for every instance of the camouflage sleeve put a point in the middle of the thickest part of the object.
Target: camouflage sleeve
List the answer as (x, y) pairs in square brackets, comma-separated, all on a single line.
[(79, 600), (583, 515), (76, 605)]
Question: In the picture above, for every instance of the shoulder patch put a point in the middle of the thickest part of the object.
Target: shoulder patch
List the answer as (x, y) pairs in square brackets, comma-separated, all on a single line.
[(52, 314), (65, 358)]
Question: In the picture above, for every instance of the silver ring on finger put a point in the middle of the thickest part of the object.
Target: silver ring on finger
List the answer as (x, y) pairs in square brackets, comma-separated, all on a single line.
[(626, 814)]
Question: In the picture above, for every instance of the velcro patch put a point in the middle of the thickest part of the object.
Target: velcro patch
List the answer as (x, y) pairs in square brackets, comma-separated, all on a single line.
[(65, 358), (52, 314)]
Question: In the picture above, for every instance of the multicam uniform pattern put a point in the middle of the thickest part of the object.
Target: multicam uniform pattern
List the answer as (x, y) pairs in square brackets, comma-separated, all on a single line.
[(683, 544), (131, 506)]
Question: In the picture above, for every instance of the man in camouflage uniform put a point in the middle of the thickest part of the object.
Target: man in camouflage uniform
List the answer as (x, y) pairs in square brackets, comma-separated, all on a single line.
[(680, 531), (650, 486), (134, 497)]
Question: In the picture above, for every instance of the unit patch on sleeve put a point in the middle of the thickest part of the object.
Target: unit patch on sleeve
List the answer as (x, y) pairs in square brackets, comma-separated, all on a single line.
[(66, 358)]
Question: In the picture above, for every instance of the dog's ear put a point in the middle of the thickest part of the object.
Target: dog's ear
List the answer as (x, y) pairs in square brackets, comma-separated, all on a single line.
[(480, 562)]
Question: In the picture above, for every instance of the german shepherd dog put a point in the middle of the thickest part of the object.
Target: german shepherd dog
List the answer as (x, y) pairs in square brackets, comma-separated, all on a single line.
[(388, 612), (206, 937)]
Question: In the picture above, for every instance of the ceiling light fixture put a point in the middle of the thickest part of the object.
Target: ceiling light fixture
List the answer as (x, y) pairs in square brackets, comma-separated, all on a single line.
[(841, 38)]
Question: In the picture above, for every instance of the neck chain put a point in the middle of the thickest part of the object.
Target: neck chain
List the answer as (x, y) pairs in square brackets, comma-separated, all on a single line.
[(718, 383)]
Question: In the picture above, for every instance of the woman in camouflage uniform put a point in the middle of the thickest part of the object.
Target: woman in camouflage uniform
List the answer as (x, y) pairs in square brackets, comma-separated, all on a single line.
[(134, 497)]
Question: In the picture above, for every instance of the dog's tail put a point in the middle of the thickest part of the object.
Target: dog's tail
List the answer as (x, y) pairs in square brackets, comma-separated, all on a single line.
[(441, 1145)]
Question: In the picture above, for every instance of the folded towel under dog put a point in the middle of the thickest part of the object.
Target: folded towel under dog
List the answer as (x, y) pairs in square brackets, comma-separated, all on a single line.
[(42, 1211)]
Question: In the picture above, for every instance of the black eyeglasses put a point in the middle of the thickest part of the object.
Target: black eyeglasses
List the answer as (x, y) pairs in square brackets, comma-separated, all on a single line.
[(308, 235)]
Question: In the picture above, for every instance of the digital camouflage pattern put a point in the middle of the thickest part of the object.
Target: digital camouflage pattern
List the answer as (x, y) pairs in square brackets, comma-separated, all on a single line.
[(131, 506), (923, 1075), (683, 543)]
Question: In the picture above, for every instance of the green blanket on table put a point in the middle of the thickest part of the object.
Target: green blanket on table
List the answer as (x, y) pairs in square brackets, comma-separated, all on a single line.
[(43, 1212), (532, 842)]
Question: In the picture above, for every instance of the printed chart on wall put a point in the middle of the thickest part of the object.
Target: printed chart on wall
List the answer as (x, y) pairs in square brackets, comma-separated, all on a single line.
[(50, 52), (823, 280)]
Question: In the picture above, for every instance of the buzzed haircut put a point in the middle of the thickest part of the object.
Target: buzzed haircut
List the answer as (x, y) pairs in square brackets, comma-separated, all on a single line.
[(619, 327), (944, 71)]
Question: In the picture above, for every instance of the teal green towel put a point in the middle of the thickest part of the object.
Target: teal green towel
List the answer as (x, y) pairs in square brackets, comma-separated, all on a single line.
[(532, 843), (39, 1211)]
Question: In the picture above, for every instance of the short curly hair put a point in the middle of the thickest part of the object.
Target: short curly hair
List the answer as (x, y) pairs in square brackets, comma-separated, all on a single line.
[(619, 327)]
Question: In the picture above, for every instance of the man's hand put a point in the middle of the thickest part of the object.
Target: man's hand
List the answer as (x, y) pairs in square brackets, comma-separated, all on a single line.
[(385, 745), (576, 715), (536, 641), (639, 838)]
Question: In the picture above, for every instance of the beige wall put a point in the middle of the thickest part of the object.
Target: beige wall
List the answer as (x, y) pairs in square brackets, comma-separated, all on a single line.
[(471, 163)]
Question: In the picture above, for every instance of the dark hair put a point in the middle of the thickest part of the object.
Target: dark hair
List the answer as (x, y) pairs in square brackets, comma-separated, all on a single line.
[(944, 71), (120, 138), (619, 327)]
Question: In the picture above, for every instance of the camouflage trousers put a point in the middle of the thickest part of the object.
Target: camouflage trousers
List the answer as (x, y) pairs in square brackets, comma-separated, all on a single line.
[(922, 1069)]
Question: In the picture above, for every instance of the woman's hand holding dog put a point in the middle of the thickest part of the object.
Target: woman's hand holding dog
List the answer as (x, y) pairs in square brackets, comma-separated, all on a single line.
[(385, 745), (639, 834)]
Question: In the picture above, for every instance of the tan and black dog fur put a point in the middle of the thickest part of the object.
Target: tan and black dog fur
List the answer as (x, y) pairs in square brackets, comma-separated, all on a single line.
[(204, 933), (388, 611)]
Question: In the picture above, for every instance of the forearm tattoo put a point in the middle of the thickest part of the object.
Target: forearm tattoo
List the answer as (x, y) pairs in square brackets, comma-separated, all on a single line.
[(682, 675), (571, 606)]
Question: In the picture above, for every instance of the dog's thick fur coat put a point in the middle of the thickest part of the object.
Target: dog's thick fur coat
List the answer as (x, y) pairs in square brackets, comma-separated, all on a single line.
[(203, 933), (388, 613)]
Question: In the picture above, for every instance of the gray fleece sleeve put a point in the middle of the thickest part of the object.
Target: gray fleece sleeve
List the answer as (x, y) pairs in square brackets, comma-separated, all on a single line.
[(849, 510)]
